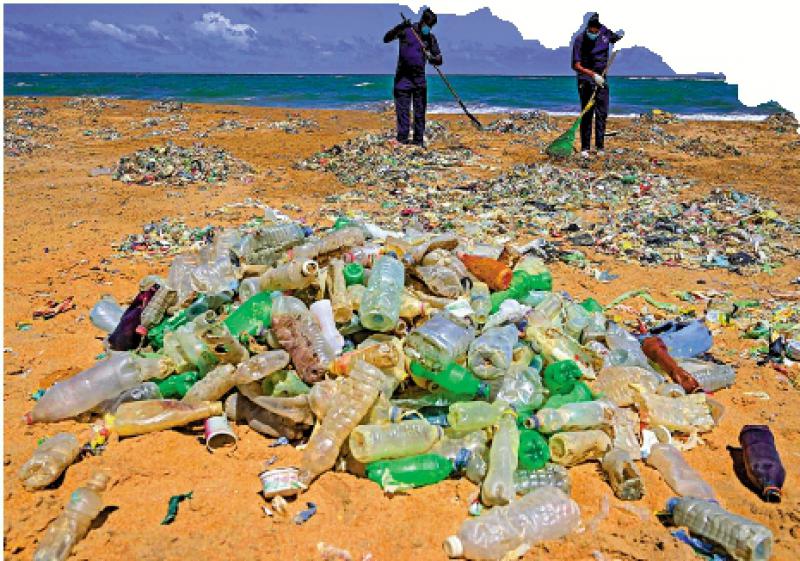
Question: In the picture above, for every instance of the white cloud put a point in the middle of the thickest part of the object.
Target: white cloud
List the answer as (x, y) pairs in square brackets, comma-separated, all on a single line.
[(112, 31), (214, 24)]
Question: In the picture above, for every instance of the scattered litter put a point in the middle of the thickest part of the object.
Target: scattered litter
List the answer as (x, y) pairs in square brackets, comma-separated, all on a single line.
[(55, 308), (304, 515), (172, 508)]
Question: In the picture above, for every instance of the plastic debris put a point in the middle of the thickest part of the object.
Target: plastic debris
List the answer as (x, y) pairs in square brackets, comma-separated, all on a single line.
[(304, 515), (172, 508)]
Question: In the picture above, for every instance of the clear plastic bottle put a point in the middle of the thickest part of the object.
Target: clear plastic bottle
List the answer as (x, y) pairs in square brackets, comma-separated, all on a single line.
[(49, 460), (625, 348), (743, 539), (154, 311), (240, 409), (441, 280), (465, 416), (293, 275), (571, 417), (298, 332), (576, 320), (490, 355), (546, 513), (73, 524), (522, 388), (571, 448), (626, 431), (365, 255), (277, 236), (461, 450), (595, 329), (481, 302), (685, 414), (614, 383), (380, 306), (498, 487), (105, 380), (678, 474), (623, 475), (369, 443), (438, 342), (548, 312), (105, 315), (710, 375), (551, 475), (332, 241), (322, 310), (382, 355), (554, 345), (337, 292), (140, 417), (141, 392), (348, 405), (213, 385)]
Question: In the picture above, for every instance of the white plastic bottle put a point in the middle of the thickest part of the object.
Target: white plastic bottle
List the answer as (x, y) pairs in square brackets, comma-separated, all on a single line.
[(498, 487), (323, 312), (679, 475), (369, 443), (572, 416), (49, 460)]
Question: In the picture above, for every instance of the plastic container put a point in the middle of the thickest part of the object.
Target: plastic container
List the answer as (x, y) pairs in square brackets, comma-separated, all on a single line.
[(677, 473), (50, 459), (480, 301), (337, 291), (414, 471), (571, 417), (105, 380), (438, 342), (293, 275), (369, 443), (454, 378), (298, 332), (72, 525), (762, 461), (709, 375), (496, 275), (105, 315), (544, 514), (685, 340), (141, 392), (140, 417), (380, 306), (742, 539), (550, 475), (465, 416), (614, 383), (623, 475), (252, 316), (490, 355), (347, 407), (572, 448), (498, 487), (127, 335)]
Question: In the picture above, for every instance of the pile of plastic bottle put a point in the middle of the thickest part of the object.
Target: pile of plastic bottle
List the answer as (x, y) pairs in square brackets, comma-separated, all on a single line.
[(414, 358)]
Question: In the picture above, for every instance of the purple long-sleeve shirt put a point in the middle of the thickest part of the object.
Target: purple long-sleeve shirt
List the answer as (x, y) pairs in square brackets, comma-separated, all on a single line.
[(593, 54), (410, 71)]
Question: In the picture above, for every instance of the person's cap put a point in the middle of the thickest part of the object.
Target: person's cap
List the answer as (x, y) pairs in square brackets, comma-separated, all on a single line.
[(430, 17), (594, 20)]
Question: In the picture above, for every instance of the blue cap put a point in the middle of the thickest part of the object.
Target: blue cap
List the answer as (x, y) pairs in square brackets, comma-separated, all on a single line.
[(307, 231)]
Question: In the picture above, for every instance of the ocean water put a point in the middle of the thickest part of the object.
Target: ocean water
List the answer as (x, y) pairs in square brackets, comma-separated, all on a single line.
[(699, 98)]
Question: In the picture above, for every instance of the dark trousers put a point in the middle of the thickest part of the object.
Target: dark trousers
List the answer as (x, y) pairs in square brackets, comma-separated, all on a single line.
[(599, 112), (403, 99)]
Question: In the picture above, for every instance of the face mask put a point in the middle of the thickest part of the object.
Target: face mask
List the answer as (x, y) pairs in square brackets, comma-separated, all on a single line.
[(592, 36), (426, 30)]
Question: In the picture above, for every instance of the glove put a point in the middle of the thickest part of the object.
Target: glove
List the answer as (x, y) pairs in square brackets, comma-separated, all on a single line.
[(599, 80), (620, 33)]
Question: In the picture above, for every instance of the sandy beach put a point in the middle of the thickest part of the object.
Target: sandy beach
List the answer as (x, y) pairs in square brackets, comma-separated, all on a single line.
[(61, 222)]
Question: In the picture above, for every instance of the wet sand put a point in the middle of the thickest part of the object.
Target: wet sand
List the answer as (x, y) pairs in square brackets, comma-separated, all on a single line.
[(59, 226)]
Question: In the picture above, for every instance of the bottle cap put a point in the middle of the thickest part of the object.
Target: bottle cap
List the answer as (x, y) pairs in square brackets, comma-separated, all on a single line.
[(453, 546)]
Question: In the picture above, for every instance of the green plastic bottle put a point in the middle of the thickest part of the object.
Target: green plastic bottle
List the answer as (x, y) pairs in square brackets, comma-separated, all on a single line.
[(353, 273), (342, 222), (522, 283), (534, 451), (581, 392), (417, 471), (591, 305), (560, 377), (454, 378), (156, 334), (251, 316), (177, 385)]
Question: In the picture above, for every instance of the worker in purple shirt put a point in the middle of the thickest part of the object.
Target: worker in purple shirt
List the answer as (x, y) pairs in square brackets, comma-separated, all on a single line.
[(589, 59), (418, 45)]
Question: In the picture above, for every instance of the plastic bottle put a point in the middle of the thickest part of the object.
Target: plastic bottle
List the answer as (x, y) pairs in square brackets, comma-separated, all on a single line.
[(440, 280), (240, 409), (498, 487), (177, 385), (382, 355), (550, 475), (337, 292), (656, 350), (84, 505), (709, 375), (298, 332), (454, 378), (580, 393), (544, 514), (141, 392), (522, 388), (380, 307), (743, 539), (438, 342), (555, 346), (625, 349), (154, 311), (463, 451), (284, 383), (369, 443), (49, 460), (560, 377), (677, 473), (490, 354), (571, 448), (480, 300), (623, 475), (467, 416), (334, 240), (614, 383), (105, 380), (595, 329), (685, 340), (213, 385), (626, 431), (364, 256), (685, 414), (533, 450), (571, 417), (762, 461), (293, 275), (277, 236), (536, 267), (140, 417), (252, 316), (576, 320), (416, 471), (496, 275), (349, 404), (202, 344), (322, 310), (547, 313), (105, 315), (156, 335)]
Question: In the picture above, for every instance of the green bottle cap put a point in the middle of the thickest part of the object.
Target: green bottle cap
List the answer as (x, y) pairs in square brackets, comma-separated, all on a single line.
[(353, 273)]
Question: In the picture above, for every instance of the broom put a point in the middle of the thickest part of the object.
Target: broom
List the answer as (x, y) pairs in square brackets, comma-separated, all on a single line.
[(562, 146)]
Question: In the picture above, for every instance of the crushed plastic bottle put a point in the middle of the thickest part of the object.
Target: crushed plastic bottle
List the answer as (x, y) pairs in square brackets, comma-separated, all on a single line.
[(677, 473), (623, 475), (571, 417), (438, 342), (490, 355), (412, 471), (571, 448), (50, 459), (380, 306), (140, 417), (369, 443), (498, 487), (550, 475)]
